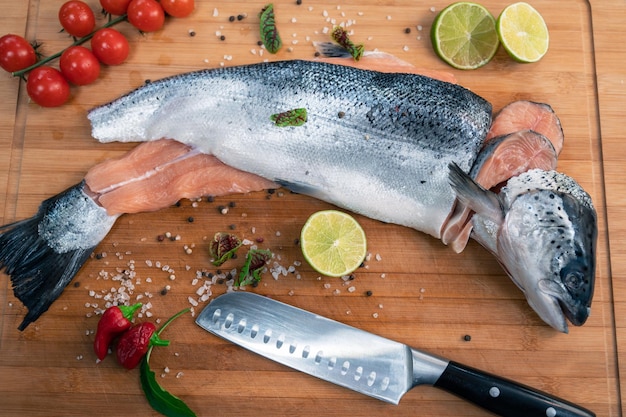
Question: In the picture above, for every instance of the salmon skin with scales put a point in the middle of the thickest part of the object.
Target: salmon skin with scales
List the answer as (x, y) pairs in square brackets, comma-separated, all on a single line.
[(395, 147), (375, 143)]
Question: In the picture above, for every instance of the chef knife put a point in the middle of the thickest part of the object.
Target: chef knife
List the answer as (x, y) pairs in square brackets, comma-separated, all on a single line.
[(362, 361)]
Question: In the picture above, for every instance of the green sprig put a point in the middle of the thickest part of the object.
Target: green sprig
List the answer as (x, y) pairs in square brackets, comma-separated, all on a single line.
[(340, 36), (223, 247), (269, 33), (251, 270), (294, 117)]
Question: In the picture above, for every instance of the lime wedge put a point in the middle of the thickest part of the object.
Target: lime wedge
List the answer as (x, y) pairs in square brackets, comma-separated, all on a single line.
[(333, 243), (523, 32), (464, 35)]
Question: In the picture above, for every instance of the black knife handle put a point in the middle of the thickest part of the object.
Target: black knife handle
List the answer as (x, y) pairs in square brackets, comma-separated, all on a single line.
[(504, 397)]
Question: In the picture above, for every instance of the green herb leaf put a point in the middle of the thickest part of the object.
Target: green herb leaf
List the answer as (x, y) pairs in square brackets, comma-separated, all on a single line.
[(269, 32), (295, 117), (161, 400), (251, 271), (340, 36), (223, 247)]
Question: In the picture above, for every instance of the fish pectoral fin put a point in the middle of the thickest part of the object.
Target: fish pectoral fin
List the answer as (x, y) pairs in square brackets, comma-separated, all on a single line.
[(473, 195), (300, 188)]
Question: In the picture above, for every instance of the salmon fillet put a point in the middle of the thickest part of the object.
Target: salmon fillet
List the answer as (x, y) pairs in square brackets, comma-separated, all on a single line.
[(164, 172)]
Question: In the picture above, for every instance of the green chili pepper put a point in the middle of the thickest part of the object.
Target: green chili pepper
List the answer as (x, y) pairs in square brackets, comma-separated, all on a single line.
[(161, 400)]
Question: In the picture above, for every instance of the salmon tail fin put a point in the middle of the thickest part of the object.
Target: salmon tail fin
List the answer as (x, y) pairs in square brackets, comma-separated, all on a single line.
[(43, 253)]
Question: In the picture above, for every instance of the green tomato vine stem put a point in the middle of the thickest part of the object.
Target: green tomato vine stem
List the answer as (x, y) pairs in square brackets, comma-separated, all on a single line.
[(21, 73)]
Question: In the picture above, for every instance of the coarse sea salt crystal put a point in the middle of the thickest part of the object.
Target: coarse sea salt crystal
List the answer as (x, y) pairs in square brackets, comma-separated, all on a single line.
[(215, 12)]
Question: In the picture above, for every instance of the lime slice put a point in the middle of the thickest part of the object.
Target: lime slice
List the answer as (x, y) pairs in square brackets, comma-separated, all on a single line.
[(523, 32), (464, 35), (333, 243)]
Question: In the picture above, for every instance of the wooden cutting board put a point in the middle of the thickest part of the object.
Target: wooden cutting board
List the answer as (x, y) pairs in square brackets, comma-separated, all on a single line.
[(422, 293)]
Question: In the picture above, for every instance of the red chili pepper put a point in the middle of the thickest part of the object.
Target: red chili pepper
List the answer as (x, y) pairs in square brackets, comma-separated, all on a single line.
[(114, 321), (135, 342)]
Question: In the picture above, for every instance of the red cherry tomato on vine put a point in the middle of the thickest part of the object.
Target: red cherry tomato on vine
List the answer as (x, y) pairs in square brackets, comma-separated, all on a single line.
[(116, 7), (79, 66), (16, 53), (178, 8), (77, 18), (47, 87), (146, 15), (109, 46)]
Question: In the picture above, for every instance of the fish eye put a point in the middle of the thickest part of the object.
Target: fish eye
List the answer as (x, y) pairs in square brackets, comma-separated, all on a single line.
[(574, 280)]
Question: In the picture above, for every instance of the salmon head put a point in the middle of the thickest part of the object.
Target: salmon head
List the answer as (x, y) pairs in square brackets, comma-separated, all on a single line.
[(542, 228)]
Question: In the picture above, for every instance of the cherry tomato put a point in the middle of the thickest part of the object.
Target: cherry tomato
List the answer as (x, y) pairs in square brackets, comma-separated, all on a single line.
[(16, 53), (77, 18), (116, 7), (178, 8), (146, 15), (79, 66), (47, 87), (109, 46)]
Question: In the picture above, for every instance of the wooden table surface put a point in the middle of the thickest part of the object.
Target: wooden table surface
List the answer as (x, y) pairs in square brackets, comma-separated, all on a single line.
[(422, 293)]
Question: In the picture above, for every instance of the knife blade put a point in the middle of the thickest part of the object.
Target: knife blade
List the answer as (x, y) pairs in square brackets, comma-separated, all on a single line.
[(364, 362)]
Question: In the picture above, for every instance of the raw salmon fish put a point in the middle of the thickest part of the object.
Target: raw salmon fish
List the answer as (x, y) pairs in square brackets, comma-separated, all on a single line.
[(394, 146)]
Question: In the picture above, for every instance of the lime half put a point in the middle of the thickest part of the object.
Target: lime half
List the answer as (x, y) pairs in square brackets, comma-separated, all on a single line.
[(333, 243), (464, 35), (523, 32)]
